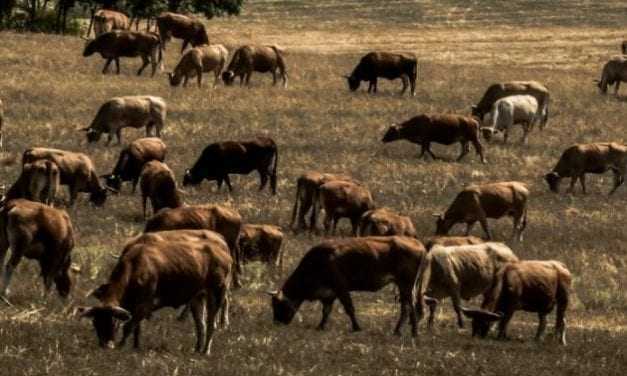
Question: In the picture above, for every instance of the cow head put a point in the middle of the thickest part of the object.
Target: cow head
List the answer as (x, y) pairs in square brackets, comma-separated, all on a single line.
[(474, 111), (487, 133), (98, 196), (190, 179), (175, 79), (282, 308), (442, 226), (602, 87), (63, 282), (90, 47), (553, 180), (113, 181), (481, 320), (392, 134), (91, 134), (228, 77), (106, 321), (353, 82)]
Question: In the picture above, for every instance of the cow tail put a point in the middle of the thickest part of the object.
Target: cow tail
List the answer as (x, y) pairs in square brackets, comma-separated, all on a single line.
[(273, 177), (422, 281), (545, 117), (296, 201)]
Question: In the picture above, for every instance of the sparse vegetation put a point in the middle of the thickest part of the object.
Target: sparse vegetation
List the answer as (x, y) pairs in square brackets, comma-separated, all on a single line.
[(50, 91)]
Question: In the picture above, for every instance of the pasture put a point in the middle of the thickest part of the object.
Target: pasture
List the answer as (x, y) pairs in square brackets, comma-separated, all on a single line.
[(50, 91)]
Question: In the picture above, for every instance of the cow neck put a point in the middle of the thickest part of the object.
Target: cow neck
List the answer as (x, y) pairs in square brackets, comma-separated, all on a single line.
[(293, 289), (114, 293)]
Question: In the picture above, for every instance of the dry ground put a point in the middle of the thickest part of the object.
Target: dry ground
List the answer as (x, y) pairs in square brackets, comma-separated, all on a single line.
[(50, 91)]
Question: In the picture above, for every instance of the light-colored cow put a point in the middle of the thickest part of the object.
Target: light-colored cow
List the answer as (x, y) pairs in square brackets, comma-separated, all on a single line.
[(515, 109)]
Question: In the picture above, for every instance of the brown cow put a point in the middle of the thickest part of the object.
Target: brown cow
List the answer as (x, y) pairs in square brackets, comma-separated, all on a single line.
[(37, 231), (449, 241), (614, 72), (480, 202), (1, 122), (131, 160), (38, 181), (306, 187), (385, 222), (386, 65), (157, 182), (76, 170), (334, 268), (623, 47), (342, 199), (165, 269), (198, 60), (108, 20), (595, 158), (439, 128), (116, 44), (190, 30), (261, 243), (505, 89), (532, 286), (249, 59)]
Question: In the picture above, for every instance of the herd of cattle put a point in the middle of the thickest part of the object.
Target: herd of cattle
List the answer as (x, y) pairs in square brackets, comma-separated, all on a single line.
[(191, 255)]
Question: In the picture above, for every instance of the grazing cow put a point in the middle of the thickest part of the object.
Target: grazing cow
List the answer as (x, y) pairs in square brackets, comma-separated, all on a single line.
[(249, 59), (165, 269), (76, 170), (507, 111), (106, 20), (116, 44), (157, 182), (190, 30), (439, 128), (480, 202), (342, 199), (623, 47), (38, 181), (261, 243), (614, 72), (131, 160), (532, 286), (220, 159), (386, 65), (306, 187), (224, 221), (385, 222), (198, 60), (334, 268), (505, 89), (448, 241), (1, 122), (461, 272), (596, 158), (135, 111), (39, 232)]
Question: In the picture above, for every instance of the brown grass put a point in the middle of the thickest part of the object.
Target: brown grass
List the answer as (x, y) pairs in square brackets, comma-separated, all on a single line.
[(50, 91)]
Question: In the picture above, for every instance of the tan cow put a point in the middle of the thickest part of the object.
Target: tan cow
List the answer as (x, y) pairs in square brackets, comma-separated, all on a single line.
[(107, 20), (262, 59), (199, 60), (448, 241), (385, 222), (614, 72), (261, 243), (342, 199), (157, 183)]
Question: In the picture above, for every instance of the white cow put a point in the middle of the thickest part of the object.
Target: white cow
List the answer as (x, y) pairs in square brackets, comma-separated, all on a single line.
[(514, 109)]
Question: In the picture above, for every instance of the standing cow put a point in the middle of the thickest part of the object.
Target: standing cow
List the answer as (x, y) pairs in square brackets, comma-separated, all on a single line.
[(249, 59), (190, 30), (386, 65), (614, 72), (342, 199), (505, 112), (197, 61), (385, 222), (106, 20)]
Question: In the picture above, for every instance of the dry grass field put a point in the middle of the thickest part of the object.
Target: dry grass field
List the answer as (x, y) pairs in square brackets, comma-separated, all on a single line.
[(50, 91)]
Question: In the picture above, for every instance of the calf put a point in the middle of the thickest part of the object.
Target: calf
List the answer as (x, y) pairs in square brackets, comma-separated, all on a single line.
[(385, 222), (106, 20), (116, 44), (189, 29), (595, 158), (249, 59), (220, 159), (480, 202), (342, 199), (461, 272), (131, 160), (164, 269), (306, 187), (261, 243), (39, 232), (76, 170), (505, 89), (386, 65), (157, 182), (439, 128), (38, 181), (532, 286), (614, 72), (448, 241), (334, 268), (132, 111), (505, 112), (198, 60)]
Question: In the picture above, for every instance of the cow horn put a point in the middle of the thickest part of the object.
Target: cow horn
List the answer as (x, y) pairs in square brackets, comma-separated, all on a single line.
[(86, 129), (5, 300), (436, 214), (111, 189), (272, 293)]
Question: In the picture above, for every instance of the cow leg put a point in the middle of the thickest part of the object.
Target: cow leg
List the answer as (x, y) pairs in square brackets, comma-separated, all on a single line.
[(224, 312), (263, 179), (465, 150), (618, 180), (197, 307), (541, 326), (118, 135), (145, 63), (134, 184), (457, 305), (106, 66), (248, 78), (335, 219), (616, 87), (469, 226), (407, 307), (582, 181), (144, 199), (73, 194), (228, 182), (507, 316), (214, 302), (355, 225), (185, 43), (327, 223), (199, 77), (428, 149), (14, 260), (117, 65), (153, 62), (571, 188), (404, 80), (433, 311), (327, 307), (273, 78), (370, 86), (484, 224), (344, 296), (374, 85), (131, 326)]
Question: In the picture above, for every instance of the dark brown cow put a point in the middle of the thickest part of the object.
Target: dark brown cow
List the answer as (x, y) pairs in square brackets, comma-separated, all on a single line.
[(334, 268), (480, 202), (249, 59), (190, 30), (306, 187), (157, 182), (614, 72), (220, 159), (386, 65), (439, 128), (261, 243), (449, 241), (108, 20), (37, 231), (131, 160), (385, 222), (595, 158), (623, 47), (165, 269), (342, 199), (532, 286), (116, 44)]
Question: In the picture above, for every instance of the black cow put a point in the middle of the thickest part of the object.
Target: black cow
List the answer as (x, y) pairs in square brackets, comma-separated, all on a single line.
[(385, 65)]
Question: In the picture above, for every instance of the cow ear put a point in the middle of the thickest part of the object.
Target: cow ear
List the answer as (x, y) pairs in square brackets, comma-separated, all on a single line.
[(120, 313), (98, 292), (85, 312), (481, 314), (273, 293)]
